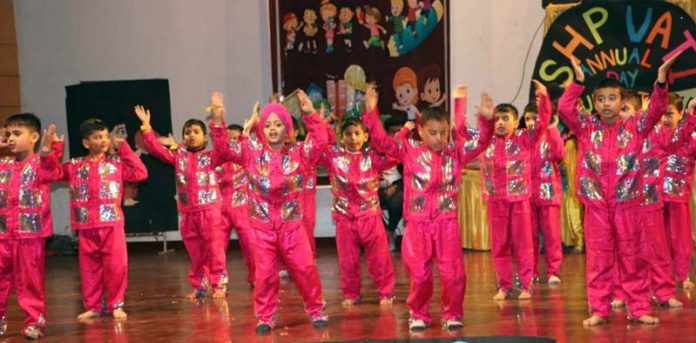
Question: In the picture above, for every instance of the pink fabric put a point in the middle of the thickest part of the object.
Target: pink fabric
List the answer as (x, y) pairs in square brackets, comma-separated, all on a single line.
[(310, 208), (22, 267), (288, 242), (613, 236), (103, 267), (657, 252), (677, 219), (96, 187), (438, 240), (511, 233), (282, 114), (547, 221), (367, 232), (546, 178), (607, 168), (678, 162), (506, 173), (237, 220), (200, 230), (431, 178), (196, 177)]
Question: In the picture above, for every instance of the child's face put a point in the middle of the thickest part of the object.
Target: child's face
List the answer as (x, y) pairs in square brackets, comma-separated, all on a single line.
[(406, 95), (345, 14), (353, 138), (396, 8), (327, 14), (628, 110), (98, 142), (530, 119), (194, 138), (505, 123), (671, 117), (370, 19), (21, 139), (291, 24), (274, 130), (234, 134), (608, 103), (310, 16), (431, 91), (435, 133)]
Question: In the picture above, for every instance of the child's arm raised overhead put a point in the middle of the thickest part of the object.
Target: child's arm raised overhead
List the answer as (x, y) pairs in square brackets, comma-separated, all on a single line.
[(469, 148), (151, 144), (133, 168), (51, 153), (379, 139), (659, 98), (553, 137), (315, 127), (226, 150), (568, 103), (544, 111)]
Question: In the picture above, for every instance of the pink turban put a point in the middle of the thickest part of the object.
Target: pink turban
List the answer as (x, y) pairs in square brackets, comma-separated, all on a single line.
[(282, 114)]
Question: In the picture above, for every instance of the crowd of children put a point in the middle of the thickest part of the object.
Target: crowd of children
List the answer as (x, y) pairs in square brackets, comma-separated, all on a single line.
[(633, 176)]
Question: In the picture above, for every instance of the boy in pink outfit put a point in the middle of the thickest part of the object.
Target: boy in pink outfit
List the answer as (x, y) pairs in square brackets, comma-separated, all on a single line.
[(432, 174), (25, 221), (96, 187), (354, 172), (610, 186), (507, 188), (678, 165), (276, 171), (546, 196), (234, 188), (198, 201)]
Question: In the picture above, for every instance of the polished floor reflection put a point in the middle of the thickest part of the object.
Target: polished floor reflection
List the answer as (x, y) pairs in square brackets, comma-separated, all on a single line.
[(159, 313)]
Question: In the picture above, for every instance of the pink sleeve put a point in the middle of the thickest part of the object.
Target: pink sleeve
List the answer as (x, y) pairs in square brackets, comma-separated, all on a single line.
[(555, 144), (542, 125), (567, 107), (659, 100), (379, 139), (51, 168), (133, 168), (469, 148), (157, 150), (315, 127), (226, 151), (382, 162), (331, 134)]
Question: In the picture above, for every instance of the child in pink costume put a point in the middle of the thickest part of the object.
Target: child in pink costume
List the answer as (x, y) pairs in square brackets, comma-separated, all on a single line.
[(25, 221), (198, 201), (276, 170), (96, 184), (506, 182), (354, 172), (610, 186), (432, 174)]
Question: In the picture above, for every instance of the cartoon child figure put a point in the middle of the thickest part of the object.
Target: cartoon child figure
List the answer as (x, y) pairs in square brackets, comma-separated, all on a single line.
[(290, 24), (310, 29), (429, 85), (413, 7), (406, 91), (397, 19), (371, 22), (345, 26), (328, 13)]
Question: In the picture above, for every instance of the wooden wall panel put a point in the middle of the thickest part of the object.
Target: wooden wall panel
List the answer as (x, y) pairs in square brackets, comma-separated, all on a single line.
[(10, 100)]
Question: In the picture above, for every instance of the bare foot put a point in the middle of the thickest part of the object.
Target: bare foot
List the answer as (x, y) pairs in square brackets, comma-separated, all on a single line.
[(650, 320), (554, 280), (88, 315), (219, 294), (674, 303), (500, 296), (524, 295), (386, 301), (616, 303), (688, 285), (349, 302), (119, 313), (594, 320)]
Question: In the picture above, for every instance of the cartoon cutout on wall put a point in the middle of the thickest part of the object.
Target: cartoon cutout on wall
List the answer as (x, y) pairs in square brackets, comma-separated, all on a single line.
[(328, 15), (345, 26), (310, 29), (429, 84), (420, 26), (406, 92), (290, 26), (370, 19), (397, 19)]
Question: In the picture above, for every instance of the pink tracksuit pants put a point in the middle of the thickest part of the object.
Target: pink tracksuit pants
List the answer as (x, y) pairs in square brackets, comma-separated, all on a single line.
[(103, 267), (22, 267), (546, 218), (511, 233)]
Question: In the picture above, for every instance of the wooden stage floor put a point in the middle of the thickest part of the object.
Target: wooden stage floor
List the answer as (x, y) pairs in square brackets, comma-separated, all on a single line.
[(159, 313)]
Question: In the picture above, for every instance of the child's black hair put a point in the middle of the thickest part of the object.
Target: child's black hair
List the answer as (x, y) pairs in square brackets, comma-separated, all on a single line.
[(88, 126), (507, 108), (610, 83), (26, 119), (433, 113), (677, 101), (352, 121), (235, 127), (191, 122)]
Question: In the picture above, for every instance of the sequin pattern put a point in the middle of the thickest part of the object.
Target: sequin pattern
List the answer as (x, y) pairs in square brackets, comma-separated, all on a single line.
[(80, 214), (342, 163), (624, 137), (677, 164), (546, 169), (650, 194), (626, 163), (3, 198), (446, 202), (181, 179), (239, 199), (511, 149), (203, 161), (288, 165), (207, 196), (107, 169), (183, 162), (651, 167), (544, 150), (674, 186), (420, 180), (368, 185), (82, 172), (108, 213), (292, 184), (263, 163), (516, 187), (261, 185), (290, 210), (29, 198), (488, 187), (593, 162), (546, 191), (206, 178), (340, 205), (29, 223), (259, 210), (515, 167), (417, 204), (627, 189), (590, 188), (28, 175), (5, 176), (79, 192), (597, 136), (109, 190), (371, 203)]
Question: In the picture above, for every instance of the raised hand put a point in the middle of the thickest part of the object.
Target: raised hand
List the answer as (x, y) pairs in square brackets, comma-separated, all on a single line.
[(143, 115), (251, 121), (50, 136), (485, 107), (579, 74), (664, 68), (371, 98), (460, 92), (410, 125), (540, 88), (305, 102), (216, 99)]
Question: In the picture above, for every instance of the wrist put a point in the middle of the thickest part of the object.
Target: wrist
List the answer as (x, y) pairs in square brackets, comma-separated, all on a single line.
[(145, 127)]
